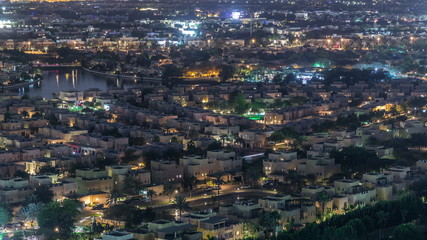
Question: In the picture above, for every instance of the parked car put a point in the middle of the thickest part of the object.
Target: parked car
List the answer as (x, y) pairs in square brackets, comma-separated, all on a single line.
[(98, 207)]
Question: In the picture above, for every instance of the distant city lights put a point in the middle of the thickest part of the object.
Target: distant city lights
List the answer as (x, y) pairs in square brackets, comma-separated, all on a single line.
[(235, 15)]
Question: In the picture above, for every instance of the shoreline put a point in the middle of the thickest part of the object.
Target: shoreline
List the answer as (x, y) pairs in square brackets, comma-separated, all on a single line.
[(18, 85), (122, 76)]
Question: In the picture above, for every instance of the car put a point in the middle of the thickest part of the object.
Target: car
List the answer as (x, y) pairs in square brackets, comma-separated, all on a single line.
[(209, 188), (269, 182), (245, 186), (98, 207), (216, 188)]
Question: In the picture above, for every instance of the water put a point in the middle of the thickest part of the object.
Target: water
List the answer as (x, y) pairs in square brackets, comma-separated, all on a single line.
[(56, 80)]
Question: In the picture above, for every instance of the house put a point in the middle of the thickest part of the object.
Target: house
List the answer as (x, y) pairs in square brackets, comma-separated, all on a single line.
[(296, 210), (166, 171), (93, 180), (14, 190)]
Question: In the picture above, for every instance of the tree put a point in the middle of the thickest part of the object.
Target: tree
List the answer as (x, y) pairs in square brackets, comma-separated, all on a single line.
[(291, 38), (170, 73), (276, 137), (192, 149), (149, 214), (137, 141), (356, 224), (382, 221), (278, 78), (407, 231), (190, 182), (218, 182), (25, 114), (119, 212), (132, 185), (25, 96), (134, 218), (37, 115), (168, 189), (113, 197), (19, 235), (250, 230), (223, 138), (53, 120), (253, 175), (21, 174), (226, 72), (285, 133), (130, 157), (56, 219), (151, 193), (268, 221), (97, 228), (181, 204), (30, 212), (7, 116), (322, 198), (356, 159), (238, 103), (43, 194), (294, 179), (174, 140), (240, 141), (216, 145), (47, 169), (420, 187), (5, 214)]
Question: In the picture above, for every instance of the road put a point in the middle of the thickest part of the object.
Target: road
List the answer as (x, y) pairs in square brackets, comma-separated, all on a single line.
[(198, 200)]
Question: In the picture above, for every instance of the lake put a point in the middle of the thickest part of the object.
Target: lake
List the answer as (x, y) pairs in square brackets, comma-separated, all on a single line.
[(56, 80)]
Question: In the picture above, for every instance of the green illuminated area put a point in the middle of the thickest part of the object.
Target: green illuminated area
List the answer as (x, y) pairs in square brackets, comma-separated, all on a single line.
[(75, 108), (85, 107), (255, 116)]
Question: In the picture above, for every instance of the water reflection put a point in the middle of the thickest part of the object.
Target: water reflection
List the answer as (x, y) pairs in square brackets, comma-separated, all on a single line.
[(57, 80)]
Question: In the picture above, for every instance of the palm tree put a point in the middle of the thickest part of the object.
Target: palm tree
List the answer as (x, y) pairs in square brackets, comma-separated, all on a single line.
[(240, 141), (190, 183), (223, 138), (132, 185), (151, 193), (113, 197), (218, 182), (181, 204), (295, 179), (268, 222), (382, 221), (404, 213), (322, 198), (253, 175), (168, 189), (30, 212), (32, 198), (24, 114)]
